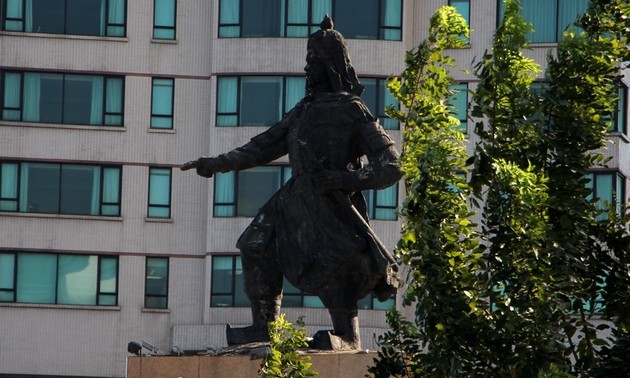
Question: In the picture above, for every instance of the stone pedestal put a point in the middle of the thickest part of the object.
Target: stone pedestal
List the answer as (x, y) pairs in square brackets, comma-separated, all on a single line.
[(327, 364)]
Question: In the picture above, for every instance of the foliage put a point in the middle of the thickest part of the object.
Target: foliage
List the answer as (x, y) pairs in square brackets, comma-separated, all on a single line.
[(515, 297), (284, 360)]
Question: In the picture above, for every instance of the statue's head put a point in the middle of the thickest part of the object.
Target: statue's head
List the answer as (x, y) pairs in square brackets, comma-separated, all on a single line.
[(328, 67)]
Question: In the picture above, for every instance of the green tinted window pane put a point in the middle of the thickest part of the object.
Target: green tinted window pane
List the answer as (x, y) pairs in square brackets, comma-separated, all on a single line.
[(8, 180), (156, 302), (162, 99), (11, 115), (157, 276), (313, 301), (385, 214), (161, 122), (222, 275), (159, 212), (224, 210), (604, 188), (113, 120), (229, 31), (36, 278), (77, 279), (107, 300), (227, 120), (7, 296), (227, 94), (12, 90), (116, 31), (7, 269), (221, 301), (109, 275), (229, 11), (297, 31), (387, 305), (160, 186), (8, 205), (14, 9), (389, 124), (287, 288), (111, 185), (110, 210), (163, 33), (164, 13), (114, 99)]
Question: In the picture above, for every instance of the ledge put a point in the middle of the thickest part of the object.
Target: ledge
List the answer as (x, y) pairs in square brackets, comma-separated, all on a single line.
[(62, 216), (156, 310), (64, 36), (63, 126), (60, 306)]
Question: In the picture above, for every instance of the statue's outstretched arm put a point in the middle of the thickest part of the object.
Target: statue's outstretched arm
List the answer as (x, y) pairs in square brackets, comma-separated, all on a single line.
[(260, 150)]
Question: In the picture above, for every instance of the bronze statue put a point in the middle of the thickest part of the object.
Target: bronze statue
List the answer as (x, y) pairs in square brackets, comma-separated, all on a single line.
[(314, 231)]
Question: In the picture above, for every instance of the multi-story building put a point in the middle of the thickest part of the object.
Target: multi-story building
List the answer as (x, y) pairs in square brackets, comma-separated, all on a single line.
[(102, 239)]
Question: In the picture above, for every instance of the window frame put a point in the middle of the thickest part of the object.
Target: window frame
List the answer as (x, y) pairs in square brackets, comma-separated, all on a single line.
[(155, 114), (288, 291), (311, 24), (285, 175), (170, 194), (101, 201), (162, 28), (558, 28), (97, 293), (621, 113), (463, 127), (147, 296), (62, 104), (371, 197), (618, 183), (106, 27), (380, 113)]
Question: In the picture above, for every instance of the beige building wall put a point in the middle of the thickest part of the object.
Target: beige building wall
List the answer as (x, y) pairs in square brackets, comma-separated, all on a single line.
[(92, 340)]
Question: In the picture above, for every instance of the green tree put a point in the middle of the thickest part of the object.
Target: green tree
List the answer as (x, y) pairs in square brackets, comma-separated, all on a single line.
[(284, 360), (517, 298)]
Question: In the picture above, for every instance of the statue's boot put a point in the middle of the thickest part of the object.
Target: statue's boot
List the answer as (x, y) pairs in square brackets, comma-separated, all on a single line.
[(263, 312), (345, 335)]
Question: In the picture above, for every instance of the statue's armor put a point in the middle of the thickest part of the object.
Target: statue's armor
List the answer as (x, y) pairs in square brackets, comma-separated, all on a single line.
[(309, 233)]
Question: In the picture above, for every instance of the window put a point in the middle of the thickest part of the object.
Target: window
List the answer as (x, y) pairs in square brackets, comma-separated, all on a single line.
[(51, 188), (159, 193), (78, 17), (550, 18), (620, 120), (240, 103), (164, 19), (607, 188), (462, 7), (156, 283), (162, 103), (256, 100), (228, 285), (241, 194), (382, 204), (228, 289), (363, 19), (377, 97), (58, 279), (459, 103), (62, 98)]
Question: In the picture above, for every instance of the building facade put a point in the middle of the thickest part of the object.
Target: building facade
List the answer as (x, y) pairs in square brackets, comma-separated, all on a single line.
[(102, 239)]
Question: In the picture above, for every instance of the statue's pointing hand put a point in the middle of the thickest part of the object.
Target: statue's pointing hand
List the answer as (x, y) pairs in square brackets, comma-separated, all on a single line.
[(205, 166)]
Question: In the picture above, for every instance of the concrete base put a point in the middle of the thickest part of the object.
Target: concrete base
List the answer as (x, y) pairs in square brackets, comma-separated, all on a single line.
[(327, 364)]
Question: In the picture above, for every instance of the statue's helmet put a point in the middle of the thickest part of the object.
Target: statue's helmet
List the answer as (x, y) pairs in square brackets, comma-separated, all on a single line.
[(331, 49)]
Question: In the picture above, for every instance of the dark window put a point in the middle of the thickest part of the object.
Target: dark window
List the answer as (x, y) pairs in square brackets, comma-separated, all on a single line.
[(156, 283), (162, 97), (620, 118), (30, 187), (366, 19), (607, 188), (73, 17), (159, 193), (241, 194), (164, 19), (549, 18), (382, 204), (228, 289), (62, 98), (377, 97), (58, 279)]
